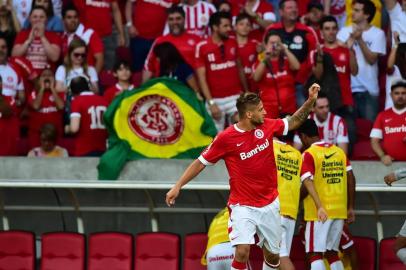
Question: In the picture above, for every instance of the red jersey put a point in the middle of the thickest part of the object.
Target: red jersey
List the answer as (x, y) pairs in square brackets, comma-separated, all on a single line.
[(48, 113), (249, 160), (36, 51), (301, 41), (248, 55), (9, 130), (220, 62), (341, 59), (92, 133), (113, 91), (90, 37), (197, 17), (277, 89), (96, 14), (390, 127), (184, 43), (149, 17)]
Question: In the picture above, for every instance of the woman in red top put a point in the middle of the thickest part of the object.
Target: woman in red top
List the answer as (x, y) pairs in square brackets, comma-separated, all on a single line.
[(275, 77)]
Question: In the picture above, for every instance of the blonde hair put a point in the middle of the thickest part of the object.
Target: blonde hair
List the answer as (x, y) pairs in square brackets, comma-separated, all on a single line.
[(75, 43)]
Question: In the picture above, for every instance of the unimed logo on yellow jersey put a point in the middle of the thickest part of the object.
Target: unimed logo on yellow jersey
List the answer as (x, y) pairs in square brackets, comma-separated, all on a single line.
[(332, 171)]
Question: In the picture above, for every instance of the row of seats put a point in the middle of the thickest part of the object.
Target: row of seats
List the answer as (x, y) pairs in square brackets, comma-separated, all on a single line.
[(113, 250)]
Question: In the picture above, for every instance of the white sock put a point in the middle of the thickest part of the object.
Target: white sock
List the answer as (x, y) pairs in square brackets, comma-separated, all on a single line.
[(337, 265), (318, 265), (267, 267)]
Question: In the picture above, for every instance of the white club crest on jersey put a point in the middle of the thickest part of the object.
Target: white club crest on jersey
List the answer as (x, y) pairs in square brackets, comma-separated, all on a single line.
[(259, 134)]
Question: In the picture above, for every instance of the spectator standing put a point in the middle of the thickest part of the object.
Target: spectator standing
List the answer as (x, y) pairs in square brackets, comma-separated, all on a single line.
[(217, 61), (332, 128), (299, 38), (22, 9), (327, 176), (336, 8), (46, 108), (369, 43), (184, 42), (397, 19), (274, 76), (376, 20), (48, 137), (145, 22), (75, 30), (86, 119), (54, 22), (313, 17), (42, 48), (122, 72), (333, 56), (99, 15), (388, 135), (247, 48), (9, 25), (75, 65)]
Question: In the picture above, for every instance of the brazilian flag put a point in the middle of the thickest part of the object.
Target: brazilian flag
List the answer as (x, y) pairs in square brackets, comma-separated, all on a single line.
[(161, 119)]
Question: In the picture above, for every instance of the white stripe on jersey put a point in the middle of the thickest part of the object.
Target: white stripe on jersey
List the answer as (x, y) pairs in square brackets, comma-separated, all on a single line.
[(197, 17)]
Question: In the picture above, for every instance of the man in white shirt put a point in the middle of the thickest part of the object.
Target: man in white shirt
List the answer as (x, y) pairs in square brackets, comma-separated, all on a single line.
[(369, 43)]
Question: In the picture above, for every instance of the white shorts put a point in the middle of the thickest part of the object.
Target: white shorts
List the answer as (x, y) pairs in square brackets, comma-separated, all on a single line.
[(403, 230), (227, 106), (220, 257), (256, 225), (321, 237), (288, 229)]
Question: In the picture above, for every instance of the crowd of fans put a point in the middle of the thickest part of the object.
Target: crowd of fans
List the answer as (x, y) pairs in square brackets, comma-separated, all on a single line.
[(356, 51)]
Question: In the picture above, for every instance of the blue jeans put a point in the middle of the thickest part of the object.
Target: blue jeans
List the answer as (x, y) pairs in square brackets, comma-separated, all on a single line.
[(366, 105), (139, 50)]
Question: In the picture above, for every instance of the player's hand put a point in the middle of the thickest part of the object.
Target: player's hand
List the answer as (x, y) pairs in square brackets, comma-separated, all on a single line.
[(322, 214), (350, 216), (215, 111), (389, 179), (314, 91), (172, 194), (387, 160)]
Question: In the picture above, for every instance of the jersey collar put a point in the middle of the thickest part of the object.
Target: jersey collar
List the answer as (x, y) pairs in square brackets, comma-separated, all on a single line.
[(399, 111)]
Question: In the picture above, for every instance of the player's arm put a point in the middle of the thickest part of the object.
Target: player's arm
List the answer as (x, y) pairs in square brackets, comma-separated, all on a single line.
[(351, 195), (302, 113), (395, 176), (191, 172), (321, 212)]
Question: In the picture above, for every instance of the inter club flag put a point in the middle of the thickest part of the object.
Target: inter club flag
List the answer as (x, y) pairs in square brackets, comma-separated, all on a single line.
[(161, 119)]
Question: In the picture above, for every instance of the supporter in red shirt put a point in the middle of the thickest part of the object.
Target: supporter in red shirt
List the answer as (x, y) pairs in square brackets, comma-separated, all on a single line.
[(86, 119), (299, 38), (313, 17), (145, 21), (75, 30), (247, 48), (345, 64), (99, 15), (46, 107), (183, 41), (275, 79), (218, 67), (41, 47), (246, 148), (388, 135), (261, 14), (122, 71)]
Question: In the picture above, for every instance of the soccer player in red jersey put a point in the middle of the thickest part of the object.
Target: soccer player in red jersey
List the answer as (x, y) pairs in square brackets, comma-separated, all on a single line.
[(247, 150), (390, 127), (86, 119)]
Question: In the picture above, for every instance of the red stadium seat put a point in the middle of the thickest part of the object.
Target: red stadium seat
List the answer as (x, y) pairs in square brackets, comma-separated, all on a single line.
[(195, 245), (63, 251), (256, 258), (364, 127), (387, 257), (363, 151), (157, 251), (110, 250), (297, 253), (124, 53), (17, 250), (366, 251)]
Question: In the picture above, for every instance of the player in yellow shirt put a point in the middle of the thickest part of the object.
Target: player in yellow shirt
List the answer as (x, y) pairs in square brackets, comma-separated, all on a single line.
[(288, 161), (327, 175)]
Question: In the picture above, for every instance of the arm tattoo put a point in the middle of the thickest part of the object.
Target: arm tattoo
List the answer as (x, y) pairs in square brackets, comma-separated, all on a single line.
[(300, 115)]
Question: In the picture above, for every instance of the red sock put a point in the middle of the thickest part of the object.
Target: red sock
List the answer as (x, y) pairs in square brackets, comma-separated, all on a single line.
[(238, 265)]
